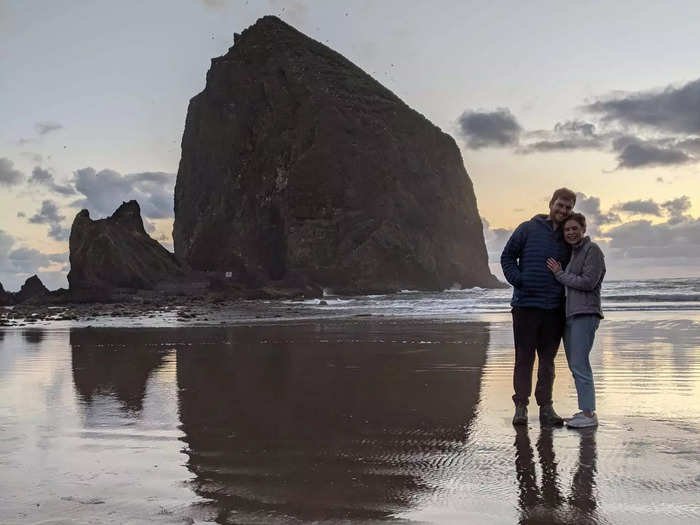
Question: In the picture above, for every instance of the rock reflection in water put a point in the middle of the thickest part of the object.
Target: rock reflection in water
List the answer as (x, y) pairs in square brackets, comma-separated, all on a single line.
[(546, 503), (33, 336), (106, 362), (281, 426)]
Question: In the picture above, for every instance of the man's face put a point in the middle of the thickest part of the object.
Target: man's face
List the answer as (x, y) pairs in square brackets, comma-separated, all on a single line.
[(560, 209)]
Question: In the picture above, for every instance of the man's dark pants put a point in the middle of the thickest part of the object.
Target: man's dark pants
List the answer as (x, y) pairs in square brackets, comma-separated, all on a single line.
[(535, 330)]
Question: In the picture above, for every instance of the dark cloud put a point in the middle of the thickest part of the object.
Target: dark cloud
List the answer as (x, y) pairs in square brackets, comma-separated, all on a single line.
[(48, 214), (42, 128), (483, 129), (690, 145), (677, 208), (639, 207), (674, 109), (634, 152), (9, 176), (569, 135), (43, 177), (595, 218), (642, 239), (105, 190)]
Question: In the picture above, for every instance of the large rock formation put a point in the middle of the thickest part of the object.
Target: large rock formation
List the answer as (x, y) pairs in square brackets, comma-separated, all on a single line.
[(296, 162), (116, 252), (32, 289)]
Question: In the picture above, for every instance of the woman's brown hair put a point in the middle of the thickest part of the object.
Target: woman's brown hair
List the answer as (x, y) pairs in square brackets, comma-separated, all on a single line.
[(578, 217)]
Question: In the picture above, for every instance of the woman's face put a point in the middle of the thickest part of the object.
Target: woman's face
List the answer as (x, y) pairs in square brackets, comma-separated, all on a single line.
[(573, 232)]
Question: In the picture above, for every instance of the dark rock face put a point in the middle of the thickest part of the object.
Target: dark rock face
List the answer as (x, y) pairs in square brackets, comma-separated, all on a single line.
[(6, 298), (32, 289), (116, 252), (295, 161)]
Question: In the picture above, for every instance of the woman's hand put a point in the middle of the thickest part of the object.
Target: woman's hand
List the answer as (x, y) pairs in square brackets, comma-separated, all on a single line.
[(553, 265)]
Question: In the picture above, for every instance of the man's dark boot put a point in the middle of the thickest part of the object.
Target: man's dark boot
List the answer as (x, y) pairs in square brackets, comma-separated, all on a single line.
[(549, 417), (520, 417)]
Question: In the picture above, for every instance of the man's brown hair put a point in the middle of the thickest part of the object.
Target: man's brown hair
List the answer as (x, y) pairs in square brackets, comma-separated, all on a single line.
[(564, 194)]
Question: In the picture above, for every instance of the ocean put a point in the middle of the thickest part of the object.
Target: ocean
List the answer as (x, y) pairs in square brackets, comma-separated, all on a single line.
[(390, 408)]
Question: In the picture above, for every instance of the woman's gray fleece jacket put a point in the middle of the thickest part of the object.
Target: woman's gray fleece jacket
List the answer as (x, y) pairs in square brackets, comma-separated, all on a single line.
[(582, 278)]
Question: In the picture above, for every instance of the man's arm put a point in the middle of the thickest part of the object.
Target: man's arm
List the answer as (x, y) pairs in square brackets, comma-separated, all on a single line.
[(511, 253), (593, 268)]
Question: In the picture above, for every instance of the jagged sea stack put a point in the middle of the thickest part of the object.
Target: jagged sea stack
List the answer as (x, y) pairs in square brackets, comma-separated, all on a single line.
[(116, 252), (296, 162)]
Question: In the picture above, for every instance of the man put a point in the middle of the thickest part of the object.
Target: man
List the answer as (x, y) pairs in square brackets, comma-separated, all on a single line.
[(538, 315)]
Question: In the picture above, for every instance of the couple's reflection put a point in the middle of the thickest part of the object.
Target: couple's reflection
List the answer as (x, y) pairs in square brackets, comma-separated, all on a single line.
[(545, 503)]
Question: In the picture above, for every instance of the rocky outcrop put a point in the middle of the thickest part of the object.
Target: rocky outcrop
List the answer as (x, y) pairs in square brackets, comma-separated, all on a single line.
[(32, 290), (116, 252), (6, 298), (296, 162)]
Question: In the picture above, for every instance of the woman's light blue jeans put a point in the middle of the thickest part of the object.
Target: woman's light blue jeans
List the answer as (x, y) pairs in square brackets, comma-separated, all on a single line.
[(579, 334)]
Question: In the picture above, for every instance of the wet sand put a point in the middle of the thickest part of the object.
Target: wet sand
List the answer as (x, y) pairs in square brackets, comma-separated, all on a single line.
[(342, 421)]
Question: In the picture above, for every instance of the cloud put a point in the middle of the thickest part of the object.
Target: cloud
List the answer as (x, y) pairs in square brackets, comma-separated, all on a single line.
[(690, 145), (642, 239), (634, 152), (48, 214), (674, 109), (17, 264), (8, 175), (569, 135), (105, 190), (483, 129), (495, 239), (43, 177), (677, 209), (595, 218), (43, 128), (639, 207)]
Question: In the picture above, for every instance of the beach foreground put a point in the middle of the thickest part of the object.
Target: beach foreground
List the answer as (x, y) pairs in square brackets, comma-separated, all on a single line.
[(342, 420)]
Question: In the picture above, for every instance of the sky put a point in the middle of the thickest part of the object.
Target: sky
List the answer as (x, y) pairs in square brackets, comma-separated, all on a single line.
[(600, 97)]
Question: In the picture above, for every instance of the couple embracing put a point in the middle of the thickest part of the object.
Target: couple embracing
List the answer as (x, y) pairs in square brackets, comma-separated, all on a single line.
[(556, 273)]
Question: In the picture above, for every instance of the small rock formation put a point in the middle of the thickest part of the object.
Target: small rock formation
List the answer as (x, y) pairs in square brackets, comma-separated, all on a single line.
[(32, 289), (297, 163), (116, 252), (6, 298)]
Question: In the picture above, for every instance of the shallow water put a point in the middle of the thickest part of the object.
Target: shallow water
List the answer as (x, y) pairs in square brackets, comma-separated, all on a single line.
[(341, 421)]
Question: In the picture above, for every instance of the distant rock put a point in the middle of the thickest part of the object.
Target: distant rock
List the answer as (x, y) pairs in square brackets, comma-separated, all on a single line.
[(32, 290), (116, 252), (6, 298), (298, 165)]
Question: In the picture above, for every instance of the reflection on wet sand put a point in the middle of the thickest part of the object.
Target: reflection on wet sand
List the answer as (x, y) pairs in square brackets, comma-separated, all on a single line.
[(546, 504), (340, 425), (118, 370), (34, 336)]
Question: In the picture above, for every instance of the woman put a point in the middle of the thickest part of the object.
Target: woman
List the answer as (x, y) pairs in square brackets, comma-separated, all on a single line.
[(582, 278)]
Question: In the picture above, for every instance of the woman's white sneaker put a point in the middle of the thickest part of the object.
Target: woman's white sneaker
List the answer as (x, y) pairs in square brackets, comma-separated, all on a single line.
[(581, 420)]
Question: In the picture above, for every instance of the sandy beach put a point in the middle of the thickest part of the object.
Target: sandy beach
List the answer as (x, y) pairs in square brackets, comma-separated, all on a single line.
[(342, 420)]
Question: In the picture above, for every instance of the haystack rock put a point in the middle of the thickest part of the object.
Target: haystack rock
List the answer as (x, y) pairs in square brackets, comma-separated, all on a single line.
[(296, 162), (33, 289), (116, 252)]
